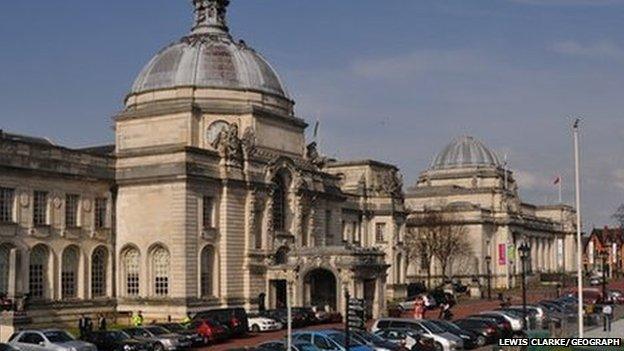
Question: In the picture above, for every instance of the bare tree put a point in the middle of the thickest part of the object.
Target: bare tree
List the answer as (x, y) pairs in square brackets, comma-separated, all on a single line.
[(438, 235), (619, 216)]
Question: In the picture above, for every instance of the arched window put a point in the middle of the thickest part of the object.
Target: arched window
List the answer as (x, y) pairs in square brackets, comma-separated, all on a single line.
[(279, 203), (160, 271), (131, 258), (38, 272), (208, 272), (69, 273), (98, 272), (5, 252)]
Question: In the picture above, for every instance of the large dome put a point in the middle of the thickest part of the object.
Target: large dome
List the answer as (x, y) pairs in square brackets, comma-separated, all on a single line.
[(465, 151), (209, 58)]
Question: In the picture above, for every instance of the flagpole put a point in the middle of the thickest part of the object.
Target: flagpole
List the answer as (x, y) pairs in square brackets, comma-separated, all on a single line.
[(560, 190), (579, 252)]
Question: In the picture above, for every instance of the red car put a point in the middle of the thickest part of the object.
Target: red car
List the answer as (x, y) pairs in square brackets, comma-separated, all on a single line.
[(210, 330)]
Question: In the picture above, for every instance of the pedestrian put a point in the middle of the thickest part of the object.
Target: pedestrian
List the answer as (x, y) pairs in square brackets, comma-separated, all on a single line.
[(137, 319), (82, 326), (607, 315), (419, 309), (443, 308), (102, 322), (186, 321), (88, 326)]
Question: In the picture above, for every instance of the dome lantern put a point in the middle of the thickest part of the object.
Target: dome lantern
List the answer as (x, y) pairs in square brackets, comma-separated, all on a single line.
[(210, 17)]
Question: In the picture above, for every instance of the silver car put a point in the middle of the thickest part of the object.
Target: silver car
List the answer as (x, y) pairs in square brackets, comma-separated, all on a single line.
[(161, 338), (48, 340)]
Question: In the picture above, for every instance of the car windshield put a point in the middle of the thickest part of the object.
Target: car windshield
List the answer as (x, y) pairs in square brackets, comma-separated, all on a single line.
[(432, 327), (340, 339), (174, 327), (305, 347), (374, 338), (118, 335), (157, 330), (448, 326), (58, 336)]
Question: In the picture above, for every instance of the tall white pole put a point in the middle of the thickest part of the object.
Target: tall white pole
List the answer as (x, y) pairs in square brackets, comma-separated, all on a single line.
[(289, 314), (579, 252)]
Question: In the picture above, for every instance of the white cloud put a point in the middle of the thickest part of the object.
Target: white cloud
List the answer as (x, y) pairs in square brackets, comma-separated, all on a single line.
[(602, 49)]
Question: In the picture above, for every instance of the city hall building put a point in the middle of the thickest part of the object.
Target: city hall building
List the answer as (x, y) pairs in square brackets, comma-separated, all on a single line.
[(211, 196)]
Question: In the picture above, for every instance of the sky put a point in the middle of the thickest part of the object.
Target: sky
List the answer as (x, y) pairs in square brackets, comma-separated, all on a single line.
[(392, 80)]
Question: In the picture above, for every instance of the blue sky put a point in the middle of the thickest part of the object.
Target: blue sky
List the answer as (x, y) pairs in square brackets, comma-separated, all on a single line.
[(393, 80)]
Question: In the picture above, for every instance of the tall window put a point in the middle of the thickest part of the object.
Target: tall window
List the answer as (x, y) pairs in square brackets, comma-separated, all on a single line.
[(5, 251), (6, 205), (40, 208), (38, 271), (98, 272), (69, 273), (279, 204), (328, 226), (160, 269), (207, 271), (207, 211), (356, 233), (131, 268), (100, 212), (71, 210), (380, 232)]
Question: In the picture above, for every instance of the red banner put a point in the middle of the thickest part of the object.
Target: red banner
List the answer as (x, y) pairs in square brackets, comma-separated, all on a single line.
[(502, 254)]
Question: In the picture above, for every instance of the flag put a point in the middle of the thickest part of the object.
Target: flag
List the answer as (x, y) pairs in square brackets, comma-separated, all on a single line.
[(557, 180)]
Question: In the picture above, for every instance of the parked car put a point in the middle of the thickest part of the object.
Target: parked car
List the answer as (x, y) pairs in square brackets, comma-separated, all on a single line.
[(375, 341), (541, 317), (190, 334), (48, 339), (329, 340), (616, 296), (281, 315), (502, 324), (407, 339), (471, 339), (161, 338), (516, 322), (7, 347), (210, 330), (233, 318), (279, 345), (442, 339), (487, 330), (117, 340), (258, 323), (308, 314), (408, 304)]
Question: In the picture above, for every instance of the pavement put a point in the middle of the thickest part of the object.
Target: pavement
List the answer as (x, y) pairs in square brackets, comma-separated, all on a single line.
[(617, 331)]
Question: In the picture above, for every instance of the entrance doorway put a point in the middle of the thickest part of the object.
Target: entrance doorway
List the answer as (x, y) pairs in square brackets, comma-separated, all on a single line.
[(279, 293), (320, 289), (369, 296)]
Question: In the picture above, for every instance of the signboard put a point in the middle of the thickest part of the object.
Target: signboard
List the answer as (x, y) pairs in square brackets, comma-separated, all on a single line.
[(511, 252), (502, 254), (355, 314)]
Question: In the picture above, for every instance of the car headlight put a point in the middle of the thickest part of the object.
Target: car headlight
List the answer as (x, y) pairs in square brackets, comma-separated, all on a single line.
[(128, 347), (464, 336)]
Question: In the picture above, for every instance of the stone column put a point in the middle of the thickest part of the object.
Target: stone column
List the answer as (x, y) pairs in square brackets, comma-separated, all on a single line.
[(13, 287)]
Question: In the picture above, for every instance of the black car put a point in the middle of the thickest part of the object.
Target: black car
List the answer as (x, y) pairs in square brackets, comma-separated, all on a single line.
[(299, 319), (471, 339), (487, 331), (308, 315), (117, 340), (374, 341), (191, 335), (233, 318), (502, 323)]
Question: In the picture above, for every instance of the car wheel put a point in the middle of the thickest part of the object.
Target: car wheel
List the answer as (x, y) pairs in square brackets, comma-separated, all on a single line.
[(159, 347), (439, 347), (255, 328), (481, 340)]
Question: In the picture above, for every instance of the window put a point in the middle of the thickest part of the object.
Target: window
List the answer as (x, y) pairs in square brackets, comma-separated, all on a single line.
[(160, 266), (101, 205), (7, 197), (207, 270), (71, 210), (38, 272), (5, 252), (279, 204), (328, 223), (131, 269), (40, 208), (207, 212), (69, 273), (322, 343), (31, 338), (356, 233), (380, 232), (98, 272)]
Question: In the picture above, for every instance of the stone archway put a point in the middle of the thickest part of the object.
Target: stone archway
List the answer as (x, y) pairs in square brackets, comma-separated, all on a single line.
[(320, 289)]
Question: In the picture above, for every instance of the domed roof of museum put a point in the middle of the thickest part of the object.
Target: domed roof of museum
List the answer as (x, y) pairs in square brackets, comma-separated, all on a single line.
[(208, 57), (465, 151)]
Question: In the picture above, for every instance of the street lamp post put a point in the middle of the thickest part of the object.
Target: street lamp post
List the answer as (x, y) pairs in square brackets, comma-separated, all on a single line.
[(579, 243), (604, 255), (488, 261), (525, 251)]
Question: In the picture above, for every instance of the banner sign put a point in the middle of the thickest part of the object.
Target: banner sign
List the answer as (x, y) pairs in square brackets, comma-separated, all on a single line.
[(511, 252), (502, 254), (559, 253)]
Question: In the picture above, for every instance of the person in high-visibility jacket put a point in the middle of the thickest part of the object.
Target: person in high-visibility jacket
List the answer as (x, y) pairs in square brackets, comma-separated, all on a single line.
[(137, 319), (186, 321)]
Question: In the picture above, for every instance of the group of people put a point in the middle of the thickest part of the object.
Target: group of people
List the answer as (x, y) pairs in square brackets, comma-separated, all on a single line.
[(424, 303), (85, 324)]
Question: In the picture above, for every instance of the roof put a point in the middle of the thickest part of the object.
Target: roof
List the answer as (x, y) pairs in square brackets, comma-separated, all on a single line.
[(607, 235), (464, 151), (25, 138)]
